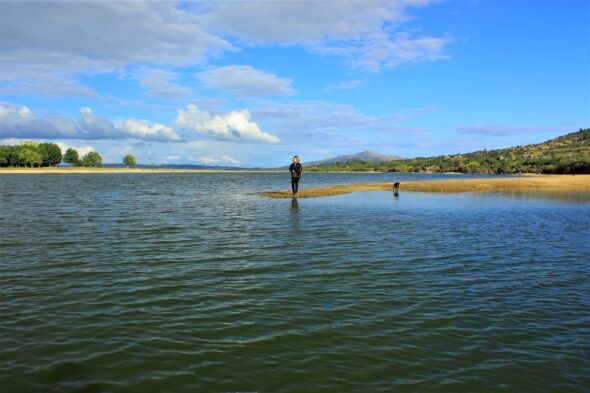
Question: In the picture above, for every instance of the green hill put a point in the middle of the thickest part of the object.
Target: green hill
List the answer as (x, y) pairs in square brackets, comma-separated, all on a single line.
[(566, 154)]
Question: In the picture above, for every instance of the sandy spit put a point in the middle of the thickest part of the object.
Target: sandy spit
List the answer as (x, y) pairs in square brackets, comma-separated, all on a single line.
[(552, 182)]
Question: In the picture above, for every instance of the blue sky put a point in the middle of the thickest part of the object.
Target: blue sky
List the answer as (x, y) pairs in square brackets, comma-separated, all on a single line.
[(251, 83)]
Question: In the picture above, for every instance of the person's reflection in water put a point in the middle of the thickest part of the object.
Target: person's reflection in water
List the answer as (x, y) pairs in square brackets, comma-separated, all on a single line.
[(294, 210), (294, 205)]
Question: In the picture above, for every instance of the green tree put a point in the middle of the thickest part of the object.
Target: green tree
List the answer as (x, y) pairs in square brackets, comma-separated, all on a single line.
[(30, 145), (129, 160), (92, 159), (71, 157), (5, 155), (402, 168), (51, 153), (473, 167), (29, 156)]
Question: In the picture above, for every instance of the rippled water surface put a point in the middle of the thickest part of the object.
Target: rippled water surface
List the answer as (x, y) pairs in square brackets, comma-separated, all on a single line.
[(189, 282)]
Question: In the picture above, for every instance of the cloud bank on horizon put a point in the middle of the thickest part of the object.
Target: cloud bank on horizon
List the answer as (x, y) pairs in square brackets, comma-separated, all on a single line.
[(254, 82)]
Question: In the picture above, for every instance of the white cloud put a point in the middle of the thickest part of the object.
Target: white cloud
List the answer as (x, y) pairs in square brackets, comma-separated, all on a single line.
[(365, 32), (311, 116), (280, 22), (48, 45), (82, 150), (95, 127), (11, 141), (386, 50), (20, 122), (235, 125), (161, 83), (329, 126), (246, 81), (222, 160), (59, 39), (144, 129), (47, 86)]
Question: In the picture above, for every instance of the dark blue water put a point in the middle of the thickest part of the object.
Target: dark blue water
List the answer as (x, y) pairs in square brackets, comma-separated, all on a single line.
[(189, 282)]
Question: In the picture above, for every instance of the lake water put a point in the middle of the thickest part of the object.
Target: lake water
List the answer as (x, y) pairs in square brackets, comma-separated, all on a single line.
[(189, 282)]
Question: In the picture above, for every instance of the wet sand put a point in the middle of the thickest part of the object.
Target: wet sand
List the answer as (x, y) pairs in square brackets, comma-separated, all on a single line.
[(549, 182)]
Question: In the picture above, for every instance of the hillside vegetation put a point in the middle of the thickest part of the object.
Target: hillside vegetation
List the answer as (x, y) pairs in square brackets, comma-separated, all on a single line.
[(563, 155)]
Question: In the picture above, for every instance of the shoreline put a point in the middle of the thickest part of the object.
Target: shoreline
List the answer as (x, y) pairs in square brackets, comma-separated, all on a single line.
[(78, 170), (68, 169), (549, 182)]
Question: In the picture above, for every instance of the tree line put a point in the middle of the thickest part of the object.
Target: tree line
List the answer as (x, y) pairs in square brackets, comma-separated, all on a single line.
[(567, 154), (35, 154)]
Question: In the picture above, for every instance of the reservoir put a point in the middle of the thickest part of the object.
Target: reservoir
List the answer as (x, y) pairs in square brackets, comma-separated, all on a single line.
[(190, 282)]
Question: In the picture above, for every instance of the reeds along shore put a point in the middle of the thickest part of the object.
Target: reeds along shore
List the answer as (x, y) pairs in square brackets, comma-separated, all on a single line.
[(553, 182)]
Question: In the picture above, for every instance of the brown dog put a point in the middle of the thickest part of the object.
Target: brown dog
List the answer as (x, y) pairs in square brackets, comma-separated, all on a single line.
[(396, 188)]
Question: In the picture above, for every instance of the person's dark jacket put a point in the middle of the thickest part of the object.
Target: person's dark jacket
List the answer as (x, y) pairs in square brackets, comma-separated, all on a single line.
[(296, 169)]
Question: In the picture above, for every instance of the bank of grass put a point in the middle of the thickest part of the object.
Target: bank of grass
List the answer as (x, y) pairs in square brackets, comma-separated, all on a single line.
[(552, 182), (116, 170)]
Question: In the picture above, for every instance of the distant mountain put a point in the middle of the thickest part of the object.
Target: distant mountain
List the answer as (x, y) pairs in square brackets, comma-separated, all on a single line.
[(367, 156), (566, 154)]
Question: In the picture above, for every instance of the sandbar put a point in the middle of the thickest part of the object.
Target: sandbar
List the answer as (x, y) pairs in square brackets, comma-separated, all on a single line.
[(549, 182)]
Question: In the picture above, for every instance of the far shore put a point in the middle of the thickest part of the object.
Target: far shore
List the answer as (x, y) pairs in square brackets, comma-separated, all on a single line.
[(78, 169), (549, 182), (66, 170)]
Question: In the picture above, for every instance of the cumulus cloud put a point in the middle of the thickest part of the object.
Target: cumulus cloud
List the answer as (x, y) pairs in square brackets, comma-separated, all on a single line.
[(246, 81), (222, 160), (95, 127), (235, 125), (20, 122), (144, 129), (82, 150)]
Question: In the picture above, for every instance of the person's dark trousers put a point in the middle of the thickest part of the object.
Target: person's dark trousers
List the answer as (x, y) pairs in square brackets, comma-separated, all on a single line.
[(295, 184)]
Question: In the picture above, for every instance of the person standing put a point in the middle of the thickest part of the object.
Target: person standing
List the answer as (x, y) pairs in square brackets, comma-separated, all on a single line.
[(296, 169)]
